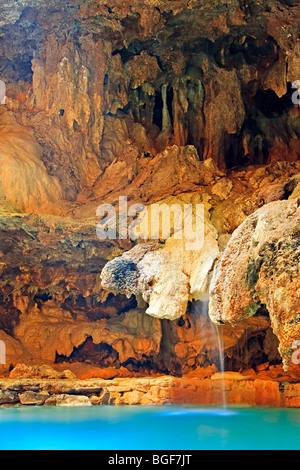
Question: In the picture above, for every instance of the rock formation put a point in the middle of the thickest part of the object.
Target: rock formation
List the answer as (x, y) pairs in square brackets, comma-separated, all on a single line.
[(165, 103), (106, 87), (24, 180), (168, 276), (260, 267)]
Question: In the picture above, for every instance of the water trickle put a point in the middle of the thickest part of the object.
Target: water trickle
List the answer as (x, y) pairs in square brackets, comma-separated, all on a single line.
[(218, 339)]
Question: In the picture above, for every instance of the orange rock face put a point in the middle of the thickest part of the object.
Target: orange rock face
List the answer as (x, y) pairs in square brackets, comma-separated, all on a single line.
[(104, 83), (156, 101)]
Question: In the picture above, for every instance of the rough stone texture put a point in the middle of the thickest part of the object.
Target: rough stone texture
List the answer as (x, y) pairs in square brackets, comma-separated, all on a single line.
[(43, 372), (239, 389), (33, 398), (167, 277), (24, 180), (50, 278), (158, 101), (68, 400), (175, 170), (260, 266), (8, 397), (108, 87)]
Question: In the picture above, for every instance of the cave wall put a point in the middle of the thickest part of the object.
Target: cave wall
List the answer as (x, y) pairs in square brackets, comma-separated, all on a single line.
[(102, 81), (151, 99)]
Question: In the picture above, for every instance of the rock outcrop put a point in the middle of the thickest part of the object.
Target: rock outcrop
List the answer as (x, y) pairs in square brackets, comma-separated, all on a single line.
[(260, 267), (25, 183), (167, 276), (253, 390)]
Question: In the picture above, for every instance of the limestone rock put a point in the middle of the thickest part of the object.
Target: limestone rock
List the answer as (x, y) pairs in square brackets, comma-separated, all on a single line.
[(69, 400), (296, 193), (42, 372), (54, 312), (13, 350), (222, 188), (8, 397), (166, 277), (177, 169), (113, 62), (33, 398), (130, 336), (158, 101), (260, 266), (230, 375), (24, 179)]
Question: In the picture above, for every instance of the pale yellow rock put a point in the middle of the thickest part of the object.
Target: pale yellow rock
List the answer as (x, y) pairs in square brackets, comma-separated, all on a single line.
[(131, 398), (11, 350), (222, 188), (72, 400), (168, 276)]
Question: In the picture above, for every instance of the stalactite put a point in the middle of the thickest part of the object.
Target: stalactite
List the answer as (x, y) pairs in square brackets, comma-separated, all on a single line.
[(179, 121), (166, 120), (196, 121)]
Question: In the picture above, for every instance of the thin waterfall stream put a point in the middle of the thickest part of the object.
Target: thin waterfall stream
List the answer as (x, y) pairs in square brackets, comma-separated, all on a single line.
[(220, 339), (217, 337)]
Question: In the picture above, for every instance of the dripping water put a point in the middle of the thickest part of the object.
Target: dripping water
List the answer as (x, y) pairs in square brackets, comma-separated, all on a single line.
[(217, 335), (220, 338)]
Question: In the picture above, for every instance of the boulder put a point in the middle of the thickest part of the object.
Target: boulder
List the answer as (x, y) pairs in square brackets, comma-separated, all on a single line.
[(64, 399), (8, 397), (33, 398), (260, 267), (167, 276)]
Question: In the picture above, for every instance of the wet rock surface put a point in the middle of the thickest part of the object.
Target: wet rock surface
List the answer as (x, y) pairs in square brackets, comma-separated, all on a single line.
[(239, 389), (260, 266)]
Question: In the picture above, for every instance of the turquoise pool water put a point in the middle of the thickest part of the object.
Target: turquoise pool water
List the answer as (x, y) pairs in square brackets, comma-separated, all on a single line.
[(149, 428)]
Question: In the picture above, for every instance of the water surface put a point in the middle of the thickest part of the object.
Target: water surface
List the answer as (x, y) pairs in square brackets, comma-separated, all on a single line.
[(148, 428)]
